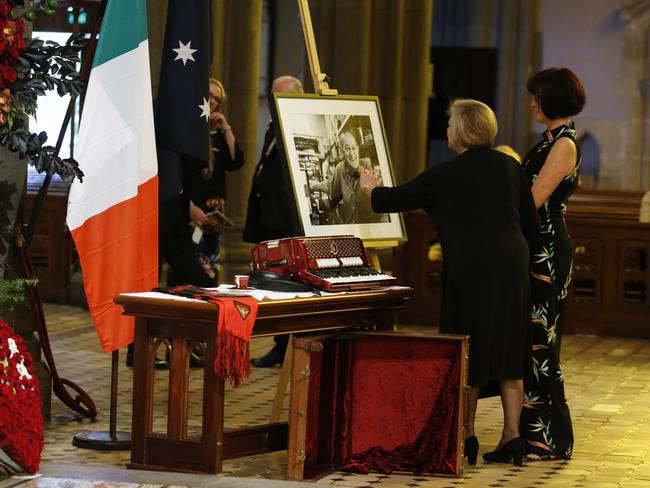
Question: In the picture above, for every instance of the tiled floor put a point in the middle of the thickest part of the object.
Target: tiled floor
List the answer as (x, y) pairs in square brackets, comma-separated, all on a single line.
[(608, 387)]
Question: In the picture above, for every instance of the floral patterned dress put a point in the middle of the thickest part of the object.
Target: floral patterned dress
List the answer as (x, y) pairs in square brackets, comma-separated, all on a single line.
[(545, 420)]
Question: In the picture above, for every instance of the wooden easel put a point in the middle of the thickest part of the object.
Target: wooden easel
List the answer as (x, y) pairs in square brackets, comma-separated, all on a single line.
[(321, 86), (320, 79)]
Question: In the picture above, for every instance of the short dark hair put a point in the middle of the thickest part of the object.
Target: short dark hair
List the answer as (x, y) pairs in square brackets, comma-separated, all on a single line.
[(558, 91)]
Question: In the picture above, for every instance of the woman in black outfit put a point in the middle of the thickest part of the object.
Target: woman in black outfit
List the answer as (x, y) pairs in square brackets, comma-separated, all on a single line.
[(209, 184), (552, 171), (483, 210)]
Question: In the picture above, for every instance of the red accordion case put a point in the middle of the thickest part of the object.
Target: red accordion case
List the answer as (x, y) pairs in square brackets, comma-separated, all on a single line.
[(377, 402)]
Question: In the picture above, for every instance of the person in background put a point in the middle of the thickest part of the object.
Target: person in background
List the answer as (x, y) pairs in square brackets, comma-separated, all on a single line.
[(505, 149), (644, 212), (551, 168), (209, 184), (203, 190), (268, 212), (481, 196)]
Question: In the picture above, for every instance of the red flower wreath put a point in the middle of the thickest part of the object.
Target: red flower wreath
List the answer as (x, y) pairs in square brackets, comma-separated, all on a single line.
[(21, 420), (12, 43)]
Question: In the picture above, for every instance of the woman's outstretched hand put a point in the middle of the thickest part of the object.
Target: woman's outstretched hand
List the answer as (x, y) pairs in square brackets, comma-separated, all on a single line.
[(369, 180)]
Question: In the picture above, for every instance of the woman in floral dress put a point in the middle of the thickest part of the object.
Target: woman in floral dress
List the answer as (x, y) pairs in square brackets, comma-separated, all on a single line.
[(552, 170)]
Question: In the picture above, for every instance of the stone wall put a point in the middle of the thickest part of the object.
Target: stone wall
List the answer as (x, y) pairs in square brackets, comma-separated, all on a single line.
[(604, 42)]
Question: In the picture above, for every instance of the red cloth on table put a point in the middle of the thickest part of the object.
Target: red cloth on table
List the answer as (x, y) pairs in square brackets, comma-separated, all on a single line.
[(234, 328)]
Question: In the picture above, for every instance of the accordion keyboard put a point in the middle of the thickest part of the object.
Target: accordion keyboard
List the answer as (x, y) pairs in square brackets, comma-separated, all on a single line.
[(351, 275)]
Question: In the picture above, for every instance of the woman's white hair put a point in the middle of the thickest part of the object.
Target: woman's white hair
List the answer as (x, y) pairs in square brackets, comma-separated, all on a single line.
[(473, 124)]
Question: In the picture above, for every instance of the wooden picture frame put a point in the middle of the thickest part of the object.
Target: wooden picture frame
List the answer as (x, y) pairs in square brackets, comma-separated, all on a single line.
[(324, 140)]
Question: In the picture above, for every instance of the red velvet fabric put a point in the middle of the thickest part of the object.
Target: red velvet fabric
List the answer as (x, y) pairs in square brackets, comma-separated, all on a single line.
[(384, 404)]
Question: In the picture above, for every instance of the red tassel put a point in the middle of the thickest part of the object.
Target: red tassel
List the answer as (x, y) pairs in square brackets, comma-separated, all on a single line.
[(233, 358)]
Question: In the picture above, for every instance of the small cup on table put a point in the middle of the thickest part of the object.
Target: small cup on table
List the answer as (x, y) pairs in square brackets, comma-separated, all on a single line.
[(241, 281)]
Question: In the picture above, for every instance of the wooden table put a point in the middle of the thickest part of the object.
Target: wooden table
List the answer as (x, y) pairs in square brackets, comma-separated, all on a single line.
[(188, 322)]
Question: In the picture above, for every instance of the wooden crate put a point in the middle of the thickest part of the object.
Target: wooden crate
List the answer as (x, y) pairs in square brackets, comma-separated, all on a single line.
[(352, 392)]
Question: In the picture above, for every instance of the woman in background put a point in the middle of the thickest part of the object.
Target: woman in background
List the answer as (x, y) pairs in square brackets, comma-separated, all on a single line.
[(552, 171), (483, 211), (210, 184), (505, 149)]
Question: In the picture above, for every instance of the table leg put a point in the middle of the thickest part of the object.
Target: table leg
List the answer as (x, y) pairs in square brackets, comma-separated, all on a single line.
[(213, 405), (142, 415), (179, 377)]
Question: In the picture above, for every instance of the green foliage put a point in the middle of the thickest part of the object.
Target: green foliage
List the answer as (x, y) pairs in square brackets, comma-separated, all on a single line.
[(12, 292), (29, 8), (42, 66)]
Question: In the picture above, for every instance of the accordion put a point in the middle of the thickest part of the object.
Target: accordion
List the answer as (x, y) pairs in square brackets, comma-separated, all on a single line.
[(331, 263)]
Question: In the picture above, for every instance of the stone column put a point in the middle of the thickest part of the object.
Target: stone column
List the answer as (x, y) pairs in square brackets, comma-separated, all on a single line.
[(156, 21), (519, 57), (236, 60), (508, 26), (381, 47)]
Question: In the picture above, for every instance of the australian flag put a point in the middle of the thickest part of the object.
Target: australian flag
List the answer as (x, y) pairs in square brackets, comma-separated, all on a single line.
[(182, 115)]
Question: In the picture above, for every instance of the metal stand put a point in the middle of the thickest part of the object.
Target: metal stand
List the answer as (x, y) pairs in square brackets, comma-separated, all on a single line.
[(111, 440), (81, 403)]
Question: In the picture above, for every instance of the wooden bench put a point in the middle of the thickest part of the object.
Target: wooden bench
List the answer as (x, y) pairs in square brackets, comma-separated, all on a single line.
[(610, 291)]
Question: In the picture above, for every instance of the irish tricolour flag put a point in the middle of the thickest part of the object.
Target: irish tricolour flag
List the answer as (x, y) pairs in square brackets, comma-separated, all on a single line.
[(113, 213)]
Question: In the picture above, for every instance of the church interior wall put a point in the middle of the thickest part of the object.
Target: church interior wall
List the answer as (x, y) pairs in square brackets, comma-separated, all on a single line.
[(607, 52)]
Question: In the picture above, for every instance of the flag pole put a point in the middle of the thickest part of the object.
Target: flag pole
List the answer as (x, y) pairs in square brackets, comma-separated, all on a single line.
[(112, 440), (101, 440)]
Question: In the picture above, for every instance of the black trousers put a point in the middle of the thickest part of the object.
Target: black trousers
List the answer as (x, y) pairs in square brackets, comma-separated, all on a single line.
[(178, 249), (281, 343)]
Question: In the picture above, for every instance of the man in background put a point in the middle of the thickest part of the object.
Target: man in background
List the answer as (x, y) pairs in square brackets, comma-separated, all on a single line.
[(267, 216)]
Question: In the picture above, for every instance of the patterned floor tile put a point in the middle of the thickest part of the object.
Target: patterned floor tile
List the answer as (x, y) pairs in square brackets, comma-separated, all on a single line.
[(608, 389)]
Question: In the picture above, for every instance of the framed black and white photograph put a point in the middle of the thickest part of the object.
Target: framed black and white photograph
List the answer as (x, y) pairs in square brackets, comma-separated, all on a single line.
[(326, 141)]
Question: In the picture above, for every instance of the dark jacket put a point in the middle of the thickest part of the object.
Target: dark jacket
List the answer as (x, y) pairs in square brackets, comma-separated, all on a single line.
[(214, 186), (484, 213), (269, 209)]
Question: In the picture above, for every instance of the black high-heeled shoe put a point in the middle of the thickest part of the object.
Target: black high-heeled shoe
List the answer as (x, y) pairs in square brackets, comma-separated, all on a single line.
[(512, 450), (471, 449)]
